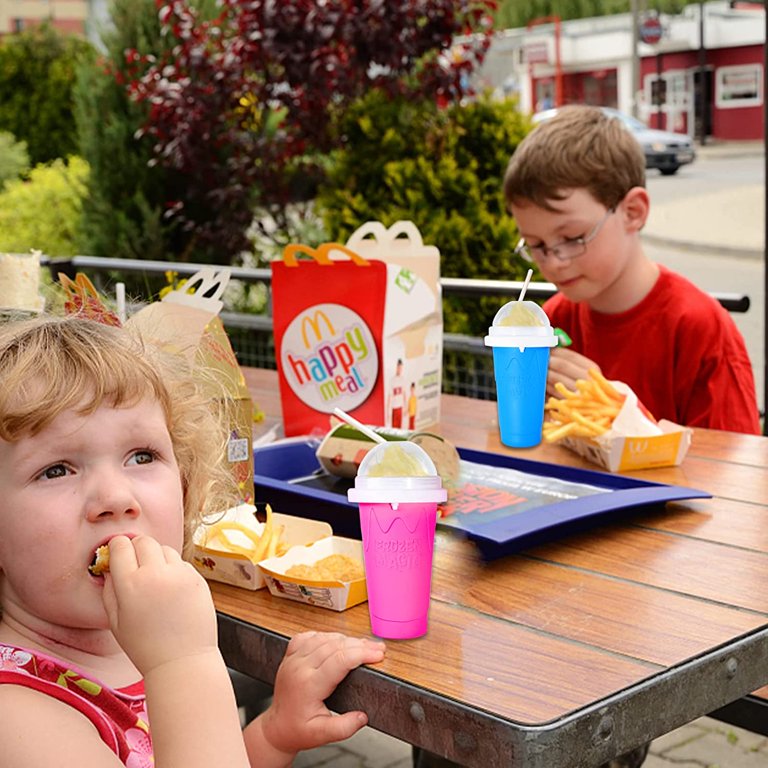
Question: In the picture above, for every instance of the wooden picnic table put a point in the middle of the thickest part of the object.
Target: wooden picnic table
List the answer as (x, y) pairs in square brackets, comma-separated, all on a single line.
[(573, 651)]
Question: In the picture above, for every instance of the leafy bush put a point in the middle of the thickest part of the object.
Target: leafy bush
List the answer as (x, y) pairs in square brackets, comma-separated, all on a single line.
[(443, 170), (43, 213), (243, 105), (37, 75), (14, 158), (124, 212)]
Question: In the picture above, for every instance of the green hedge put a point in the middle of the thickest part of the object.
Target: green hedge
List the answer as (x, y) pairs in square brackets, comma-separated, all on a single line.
[(441, 169), (43, 213)]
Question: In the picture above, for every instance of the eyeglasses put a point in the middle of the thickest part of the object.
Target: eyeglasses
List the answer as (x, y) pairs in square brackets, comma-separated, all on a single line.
[(565, 251)]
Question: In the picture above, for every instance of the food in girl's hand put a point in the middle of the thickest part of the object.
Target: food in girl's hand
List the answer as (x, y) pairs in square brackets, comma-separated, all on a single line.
[(587, 412), (100, 562)]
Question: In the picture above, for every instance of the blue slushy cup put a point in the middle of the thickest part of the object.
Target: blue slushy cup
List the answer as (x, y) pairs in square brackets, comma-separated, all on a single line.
[(521, 337)]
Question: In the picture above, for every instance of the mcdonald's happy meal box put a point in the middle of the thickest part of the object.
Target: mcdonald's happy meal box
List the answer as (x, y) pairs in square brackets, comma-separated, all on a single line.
[(359, 326)]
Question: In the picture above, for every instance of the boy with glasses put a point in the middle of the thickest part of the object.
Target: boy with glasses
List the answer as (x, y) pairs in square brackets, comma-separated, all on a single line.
[(576, 188)]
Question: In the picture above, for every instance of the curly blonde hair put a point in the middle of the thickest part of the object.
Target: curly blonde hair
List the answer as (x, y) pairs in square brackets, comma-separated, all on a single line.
[(49, 365), (579, 148)]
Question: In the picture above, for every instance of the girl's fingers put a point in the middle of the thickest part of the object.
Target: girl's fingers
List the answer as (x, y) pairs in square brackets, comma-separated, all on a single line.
[(148, 551), (122, 556), (171, 555), (336, 651), (332, 728)]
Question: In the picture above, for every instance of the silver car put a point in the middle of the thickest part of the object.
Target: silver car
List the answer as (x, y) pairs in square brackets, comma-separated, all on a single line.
[(664, 150)]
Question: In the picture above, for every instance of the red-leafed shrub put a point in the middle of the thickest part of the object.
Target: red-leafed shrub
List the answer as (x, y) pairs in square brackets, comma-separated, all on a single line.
[(246, 105)]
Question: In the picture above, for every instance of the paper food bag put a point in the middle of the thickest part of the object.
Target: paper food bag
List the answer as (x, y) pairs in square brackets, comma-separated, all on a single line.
[(360, 327), (186, 322)]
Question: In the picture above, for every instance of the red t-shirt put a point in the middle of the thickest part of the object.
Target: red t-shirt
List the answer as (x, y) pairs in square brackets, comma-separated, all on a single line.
[(120, 716), (678, 349)]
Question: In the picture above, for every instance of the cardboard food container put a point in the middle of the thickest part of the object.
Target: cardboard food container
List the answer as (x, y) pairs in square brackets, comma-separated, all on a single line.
[(344, 447), (186, 321), (336, 595), (359, 327), (635, 440), (620, 453), (234, 568)]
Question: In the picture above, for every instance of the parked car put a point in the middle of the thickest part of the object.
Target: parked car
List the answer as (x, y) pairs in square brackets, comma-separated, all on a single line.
[(664, 150)]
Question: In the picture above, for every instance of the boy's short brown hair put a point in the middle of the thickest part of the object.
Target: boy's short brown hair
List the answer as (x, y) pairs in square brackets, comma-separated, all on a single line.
[(579, 148)]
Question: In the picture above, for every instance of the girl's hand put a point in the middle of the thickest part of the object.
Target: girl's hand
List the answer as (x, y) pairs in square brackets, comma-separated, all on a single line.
[(567, 366), (314, 664), (159, 607)]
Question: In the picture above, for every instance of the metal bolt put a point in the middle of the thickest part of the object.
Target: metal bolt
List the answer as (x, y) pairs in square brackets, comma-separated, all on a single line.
[(731, 667), (417, 712), (604, 730)]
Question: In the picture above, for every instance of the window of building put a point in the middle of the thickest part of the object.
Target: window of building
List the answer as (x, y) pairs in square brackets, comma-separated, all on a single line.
[(740, 86)]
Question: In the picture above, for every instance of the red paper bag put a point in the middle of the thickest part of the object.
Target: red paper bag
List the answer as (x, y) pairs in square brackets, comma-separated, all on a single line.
[(328, 322)]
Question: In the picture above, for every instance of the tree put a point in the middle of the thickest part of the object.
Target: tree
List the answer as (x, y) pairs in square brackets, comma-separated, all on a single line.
[(14, 158), (246, 105), (129, 195), (37, 77), (516, 13), (441, 169)]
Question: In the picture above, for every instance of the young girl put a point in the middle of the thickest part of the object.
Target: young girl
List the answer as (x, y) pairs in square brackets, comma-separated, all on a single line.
[(105, 441)]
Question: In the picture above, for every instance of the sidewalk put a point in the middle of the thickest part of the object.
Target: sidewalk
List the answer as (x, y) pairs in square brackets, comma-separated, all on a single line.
[(704, 743), (731, 222)]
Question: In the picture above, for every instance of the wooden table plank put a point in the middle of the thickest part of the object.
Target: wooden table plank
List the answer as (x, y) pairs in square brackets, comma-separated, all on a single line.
[(587, 607), (735, 523), (699, 568)]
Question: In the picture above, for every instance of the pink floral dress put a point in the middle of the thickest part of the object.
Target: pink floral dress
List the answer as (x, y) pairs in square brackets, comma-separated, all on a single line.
[(119, 715)]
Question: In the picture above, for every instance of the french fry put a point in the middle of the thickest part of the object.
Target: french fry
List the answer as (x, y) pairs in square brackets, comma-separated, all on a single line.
[(260, 553), (274, 541), (588, 411), (266, 544)]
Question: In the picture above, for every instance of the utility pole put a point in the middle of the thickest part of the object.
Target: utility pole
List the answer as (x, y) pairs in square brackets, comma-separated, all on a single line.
[(634, 6), (703, 91)]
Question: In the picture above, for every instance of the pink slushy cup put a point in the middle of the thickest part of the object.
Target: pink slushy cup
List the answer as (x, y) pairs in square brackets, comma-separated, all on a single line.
[(397, 518)]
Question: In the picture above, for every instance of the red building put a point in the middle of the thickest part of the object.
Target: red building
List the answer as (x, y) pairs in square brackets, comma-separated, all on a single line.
[(685, 72)]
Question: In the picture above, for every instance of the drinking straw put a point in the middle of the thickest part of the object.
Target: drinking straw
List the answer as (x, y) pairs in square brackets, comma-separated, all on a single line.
[(344, 416), (120, 300), (525, 285)]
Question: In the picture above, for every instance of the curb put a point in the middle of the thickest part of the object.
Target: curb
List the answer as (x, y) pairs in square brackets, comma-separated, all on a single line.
[(725, 150), (704, 248)]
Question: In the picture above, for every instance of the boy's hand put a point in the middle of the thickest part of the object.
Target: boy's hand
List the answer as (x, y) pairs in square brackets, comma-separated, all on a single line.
[(314, 664), (159, 607), (567, 366)]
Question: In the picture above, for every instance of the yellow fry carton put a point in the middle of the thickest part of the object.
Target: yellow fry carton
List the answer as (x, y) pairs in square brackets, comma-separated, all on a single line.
[(228, 548), (337, 594), (605, 423), (622, 454)]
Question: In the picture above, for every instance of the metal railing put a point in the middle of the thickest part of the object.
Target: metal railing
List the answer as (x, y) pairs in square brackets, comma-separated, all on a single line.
[(467, 362), (453, 286)]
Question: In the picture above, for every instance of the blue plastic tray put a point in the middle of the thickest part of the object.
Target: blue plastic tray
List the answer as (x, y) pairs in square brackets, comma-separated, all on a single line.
[(504, 504)]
